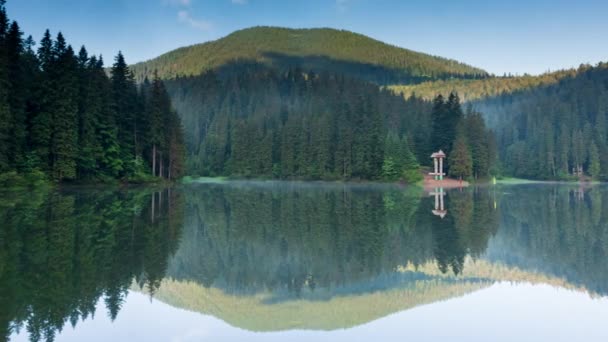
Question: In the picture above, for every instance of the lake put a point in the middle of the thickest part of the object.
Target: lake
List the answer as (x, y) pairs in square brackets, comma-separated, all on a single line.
[(296, 261)]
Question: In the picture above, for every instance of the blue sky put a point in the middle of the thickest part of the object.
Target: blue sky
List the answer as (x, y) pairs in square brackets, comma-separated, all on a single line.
[(514, 36)]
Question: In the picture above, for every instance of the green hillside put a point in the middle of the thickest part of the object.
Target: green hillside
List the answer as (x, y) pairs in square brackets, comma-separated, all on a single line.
[(313, 49), (544, 132), (475, 89)]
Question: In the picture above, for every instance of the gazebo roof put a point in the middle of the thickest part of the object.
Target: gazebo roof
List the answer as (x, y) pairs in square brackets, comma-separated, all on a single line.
[(439, 154)]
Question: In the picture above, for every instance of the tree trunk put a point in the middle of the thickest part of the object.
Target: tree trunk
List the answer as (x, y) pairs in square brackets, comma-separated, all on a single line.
[(153, 160), (134, 138), (170, 167), (160, 164), (152, 209)]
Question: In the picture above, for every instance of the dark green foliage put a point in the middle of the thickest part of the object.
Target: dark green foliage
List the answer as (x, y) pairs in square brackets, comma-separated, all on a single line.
[(295, 124), (446, 117), (460, 161), (255, 121), (60, 114), (546, 132), (469, 145), (5, 112), (399, 161), (319, 50)]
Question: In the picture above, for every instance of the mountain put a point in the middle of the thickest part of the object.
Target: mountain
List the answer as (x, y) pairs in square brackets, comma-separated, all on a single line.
[(321, 49)]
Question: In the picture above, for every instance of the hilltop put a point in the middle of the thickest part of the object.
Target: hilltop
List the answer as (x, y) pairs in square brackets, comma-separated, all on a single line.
[(317, 49)]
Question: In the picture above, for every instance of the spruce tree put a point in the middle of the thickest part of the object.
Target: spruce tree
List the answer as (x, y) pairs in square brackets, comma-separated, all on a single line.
[(124, 106), (594, 161), (64, 149), (42, 119), (5, 112), (459, 160), (18, 95), (439, 137)]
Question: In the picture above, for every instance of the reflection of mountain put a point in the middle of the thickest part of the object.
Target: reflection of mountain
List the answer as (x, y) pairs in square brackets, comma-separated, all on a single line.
[(420, 286)]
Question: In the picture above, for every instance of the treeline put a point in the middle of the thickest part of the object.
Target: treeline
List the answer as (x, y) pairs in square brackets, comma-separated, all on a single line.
[(63, 118), (550, 131), (74, 249), (296, 124), (318, 50)]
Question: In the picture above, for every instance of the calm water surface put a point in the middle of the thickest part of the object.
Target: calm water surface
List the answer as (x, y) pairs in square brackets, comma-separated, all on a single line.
[(280, 261)]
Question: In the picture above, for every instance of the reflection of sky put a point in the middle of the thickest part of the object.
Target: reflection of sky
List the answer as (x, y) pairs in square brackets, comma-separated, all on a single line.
[(502, 312)]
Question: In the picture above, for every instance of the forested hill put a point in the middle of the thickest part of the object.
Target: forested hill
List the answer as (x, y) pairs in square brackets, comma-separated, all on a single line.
[(546, 131), (297, 124), (316, 50)]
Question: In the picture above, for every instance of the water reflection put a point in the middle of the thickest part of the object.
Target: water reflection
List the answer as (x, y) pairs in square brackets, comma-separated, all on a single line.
[(275, 256), (60, 252)]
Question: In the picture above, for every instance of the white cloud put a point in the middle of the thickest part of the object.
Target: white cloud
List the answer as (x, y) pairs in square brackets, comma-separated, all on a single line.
[(184, 3), (342, 4), (185, 17), (240, 2)]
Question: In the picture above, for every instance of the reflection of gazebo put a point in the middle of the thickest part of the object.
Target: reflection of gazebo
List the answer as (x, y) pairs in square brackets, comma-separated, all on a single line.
[(439, 207), (438, 163)]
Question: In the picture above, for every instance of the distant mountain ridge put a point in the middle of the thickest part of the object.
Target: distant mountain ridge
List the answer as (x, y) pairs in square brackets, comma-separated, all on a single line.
[(316, 49)]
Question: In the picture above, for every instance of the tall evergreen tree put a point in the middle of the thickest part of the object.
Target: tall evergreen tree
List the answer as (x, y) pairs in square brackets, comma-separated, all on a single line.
[(18, 94), (64, 139), (460, 160), (42, 119), (5, 112), (124, 105)]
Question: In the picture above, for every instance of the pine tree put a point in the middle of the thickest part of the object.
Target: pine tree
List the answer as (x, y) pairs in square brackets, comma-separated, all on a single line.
[(459, 160), (478, 141), (594, 160), (158, 109), (453, 119), (42, 119), (18, 94), (64, 140), (107, 151), (393, 161), (5, 112), (439, 137), (124, 105)]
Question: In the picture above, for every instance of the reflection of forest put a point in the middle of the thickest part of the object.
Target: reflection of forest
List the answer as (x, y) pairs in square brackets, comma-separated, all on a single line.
[(554, 230), (332, 257), (274, 255), (286, 239), (60, 252)]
